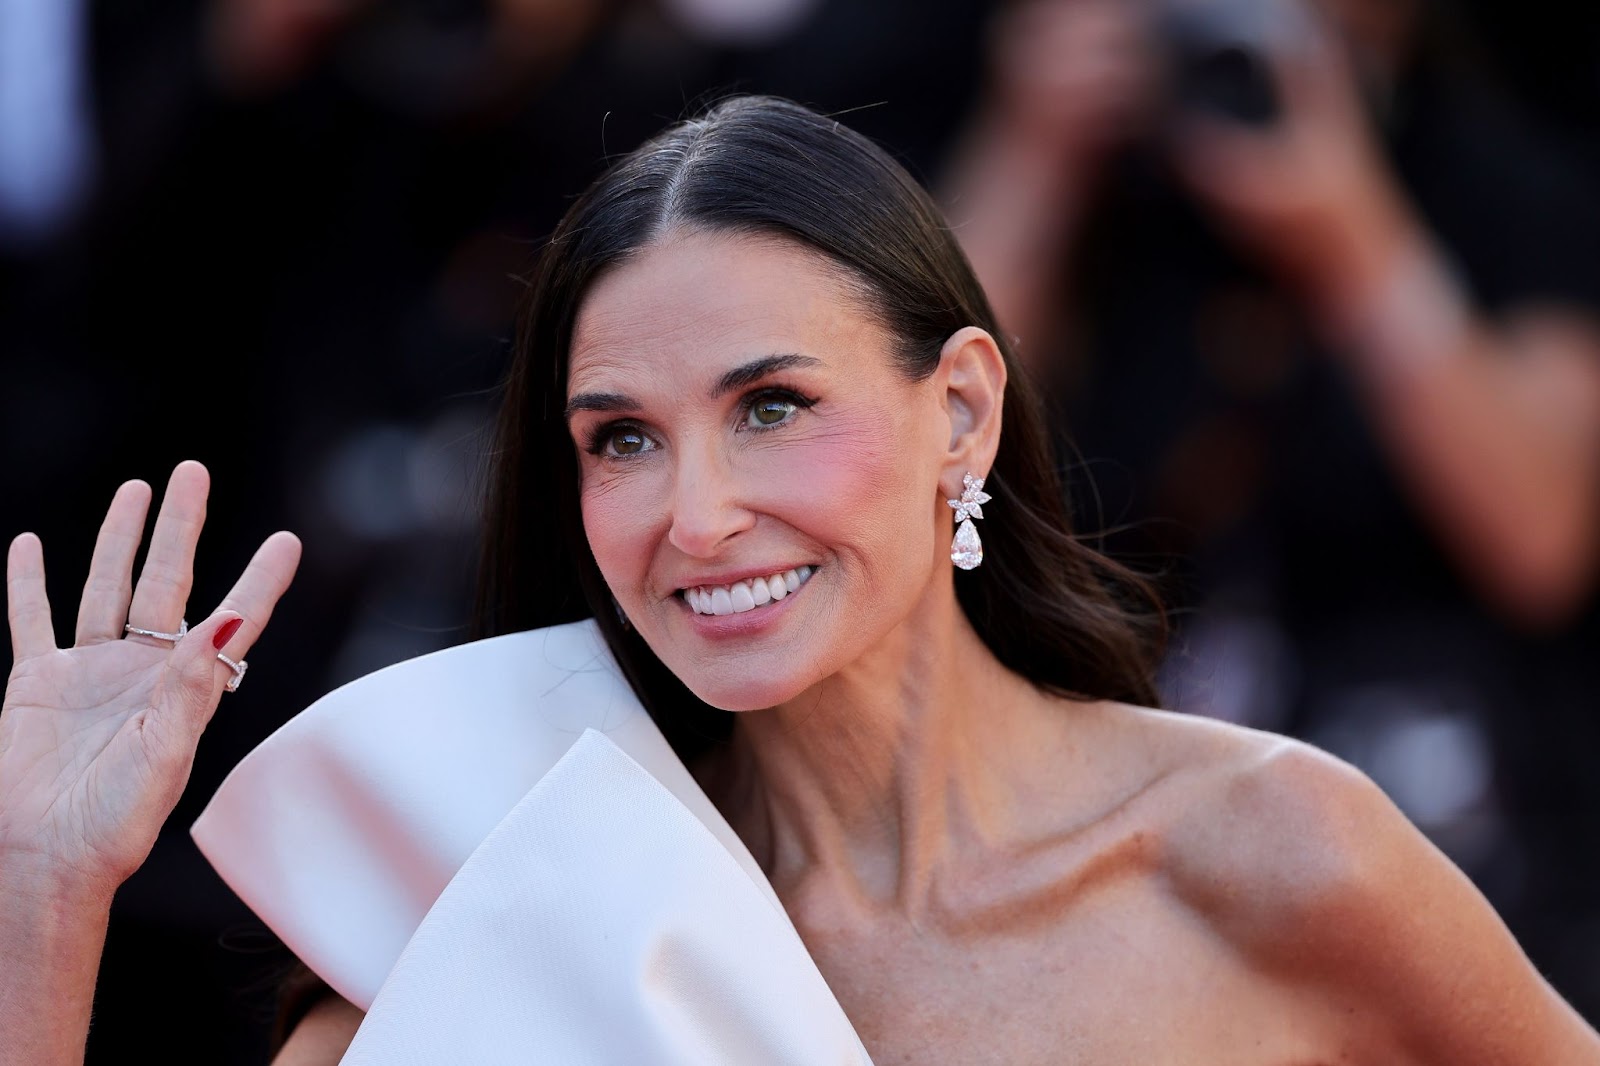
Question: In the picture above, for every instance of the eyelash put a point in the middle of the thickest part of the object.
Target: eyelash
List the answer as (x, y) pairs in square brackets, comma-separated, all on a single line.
[(597, 438)]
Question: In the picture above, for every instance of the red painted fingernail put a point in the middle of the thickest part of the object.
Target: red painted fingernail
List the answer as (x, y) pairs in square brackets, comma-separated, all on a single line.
[(225, 634)]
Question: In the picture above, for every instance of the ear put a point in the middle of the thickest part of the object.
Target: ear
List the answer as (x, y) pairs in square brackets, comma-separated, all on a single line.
[(972, 375)]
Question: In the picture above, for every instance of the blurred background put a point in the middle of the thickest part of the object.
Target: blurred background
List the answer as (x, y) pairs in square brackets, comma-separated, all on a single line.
[(1313, 291)]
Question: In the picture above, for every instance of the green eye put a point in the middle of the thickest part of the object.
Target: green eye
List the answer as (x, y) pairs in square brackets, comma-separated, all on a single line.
[(766, 413)]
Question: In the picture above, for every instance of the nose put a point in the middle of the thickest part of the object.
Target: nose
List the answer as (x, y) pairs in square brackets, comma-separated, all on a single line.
[(705, 508)]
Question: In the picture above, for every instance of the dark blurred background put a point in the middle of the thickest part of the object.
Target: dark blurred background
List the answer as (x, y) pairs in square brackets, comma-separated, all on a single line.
[(284, 237)]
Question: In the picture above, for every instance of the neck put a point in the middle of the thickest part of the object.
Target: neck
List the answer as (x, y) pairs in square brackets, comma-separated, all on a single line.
[(880, 773)]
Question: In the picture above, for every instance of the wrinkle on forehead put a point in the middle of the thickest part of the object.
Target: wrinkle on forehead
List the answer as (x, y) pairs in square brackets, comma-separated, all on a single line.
[(697, 302)]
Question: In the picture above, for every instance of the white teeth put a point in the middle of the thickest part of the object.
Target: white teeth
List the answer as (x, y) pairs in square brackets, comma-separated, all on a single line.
[(745, 595)]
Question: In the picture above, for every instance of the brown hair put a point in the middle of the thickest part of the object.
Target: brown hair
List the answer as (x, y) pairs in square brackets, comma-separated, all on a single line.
[(1049, 606)]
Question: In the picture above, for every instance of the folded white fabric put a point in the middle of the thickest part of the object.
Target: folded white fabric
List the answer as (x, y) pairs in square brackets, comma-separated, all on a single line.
[(493, 850)]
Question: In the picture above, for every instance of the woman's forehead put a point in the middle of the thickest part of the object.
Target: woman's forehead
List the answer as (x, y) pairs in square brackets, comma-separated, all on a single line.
[(699, 304)]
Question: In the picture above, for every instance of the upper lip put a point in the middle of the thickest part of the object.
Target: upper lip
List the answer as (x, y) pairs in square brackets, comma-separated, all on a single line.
[(733, 577)]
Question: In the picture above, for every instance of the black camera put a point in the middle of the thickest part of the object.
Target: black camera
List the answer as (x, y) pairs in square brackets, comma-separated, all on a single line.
[(1219, 54)]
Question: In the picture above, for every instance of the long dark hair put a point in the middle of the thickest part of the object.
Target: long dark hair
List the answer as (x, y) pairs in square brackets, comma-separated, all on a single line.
[(1049, 606)]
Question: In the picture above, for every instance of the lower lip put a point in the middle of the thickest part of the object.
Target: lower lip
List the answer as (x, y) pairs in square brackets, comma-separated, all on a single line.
[(743, 623)]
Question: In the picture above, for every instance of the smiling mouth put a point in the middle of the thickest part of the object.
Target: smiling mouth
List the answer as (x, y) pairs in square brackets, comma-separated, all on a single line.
[(748, 595)]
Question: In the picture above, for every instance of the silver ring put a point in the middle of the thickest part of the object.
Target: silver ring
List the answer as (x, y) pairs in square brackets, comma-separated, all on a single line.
[(183, 627), (238, 667)]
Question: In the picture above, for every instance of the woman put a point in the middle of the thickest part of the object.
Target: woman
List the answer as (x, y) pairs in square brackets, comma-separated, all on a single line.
[(756, 377)]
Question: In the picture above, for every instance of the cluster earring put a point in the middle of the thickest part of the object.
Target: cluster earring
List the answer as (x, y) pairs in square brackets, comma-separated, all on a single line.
[(966, 551)]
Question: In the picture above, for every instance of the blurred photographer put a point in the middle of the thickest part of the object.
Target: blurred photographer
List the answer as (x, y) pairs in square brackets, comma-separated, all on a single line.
[(1324, 311), (1493, 420)]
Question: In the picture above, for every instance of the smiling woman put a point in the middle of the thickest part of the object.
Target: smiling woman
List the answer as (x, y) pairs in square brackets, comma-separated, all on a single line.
[(762, 296), (905, 813)]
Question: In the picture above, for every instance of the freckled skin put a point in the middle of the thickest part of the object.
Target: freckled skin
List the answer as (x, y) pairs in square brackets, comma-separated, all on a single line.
[(983, 872)]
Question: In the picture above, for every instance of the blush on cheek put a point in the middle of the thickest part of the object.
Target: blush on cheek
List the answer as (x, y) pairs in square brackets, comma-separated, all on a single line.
[(613, 522), (867, 464), (858, 486)]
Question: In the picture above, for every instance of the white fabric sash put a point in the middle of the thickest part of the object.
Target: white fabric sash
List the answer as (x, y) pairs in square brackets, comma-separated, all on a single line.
[(493, 851)]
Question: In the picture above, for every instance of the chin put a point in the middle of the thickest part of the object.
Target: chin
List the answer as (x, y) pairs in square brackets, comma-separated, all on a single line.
[(745, 691)]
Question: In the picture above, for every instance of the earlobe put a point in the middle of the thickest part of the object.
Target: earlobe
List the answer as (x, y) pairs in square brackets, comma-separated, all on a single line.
[(974, 376)]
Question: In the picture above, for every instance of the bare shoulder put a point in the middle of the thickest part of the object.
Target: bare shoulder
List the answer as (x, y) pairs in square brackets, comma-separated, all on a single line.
[(1278, 843), (1301, 864), (323, 1035), (1265, 832), (1257, 831)]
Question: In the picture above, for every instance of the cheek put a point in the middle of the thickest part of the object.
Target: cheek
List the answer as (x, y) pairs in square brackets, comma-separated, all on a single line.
[(615, 510), (863, 485)]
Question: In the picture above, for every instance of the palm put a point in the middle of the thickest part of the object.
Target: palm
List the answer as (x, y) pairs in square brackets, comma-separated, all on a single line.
[(96, 741), (71, 766)]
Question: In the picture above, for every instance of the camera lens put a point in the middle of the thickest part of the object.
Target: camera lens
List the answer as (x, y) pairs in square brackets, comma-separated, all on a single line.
[(1233, 81), (1218, 55)]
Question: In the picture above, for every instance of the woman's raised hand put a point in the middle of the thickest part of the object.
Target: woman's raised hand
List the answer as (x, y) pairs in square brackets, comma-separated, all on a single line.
[(97, 740)]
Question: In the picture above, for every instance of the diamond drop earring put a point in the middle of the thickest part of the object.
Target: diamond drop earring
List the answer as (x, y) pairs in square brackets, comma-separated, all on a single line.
[(966, 551)]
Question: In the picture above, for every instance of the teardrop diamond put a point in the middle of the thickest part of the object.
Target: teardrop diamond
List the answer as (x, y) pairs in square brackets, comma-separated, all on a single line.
[(967, 550)]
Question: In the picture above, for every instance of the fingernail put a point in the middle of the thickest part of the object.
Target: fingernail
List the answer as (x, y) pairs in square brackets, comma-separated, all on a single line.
[(225, 634)]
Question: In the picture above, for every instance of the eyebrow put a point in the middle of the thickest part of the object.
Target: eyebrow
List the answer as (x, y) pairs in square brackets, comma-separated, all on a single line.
[(600, 401), (750, 373), (739, 377)]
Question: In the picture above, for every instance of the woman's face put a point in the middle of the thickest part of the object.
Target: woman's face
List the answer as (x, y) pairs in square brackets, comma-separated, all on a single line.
[(739, 420)]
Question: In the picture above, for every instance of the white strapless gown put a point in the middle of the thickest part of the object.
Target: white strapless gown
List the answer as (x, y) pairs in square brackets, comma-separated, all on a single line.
[(494, 852)]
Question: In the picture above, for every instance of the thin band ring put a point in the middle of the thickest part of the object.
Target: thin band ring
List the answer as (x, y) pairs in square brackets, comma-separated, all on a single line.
[(238, 666), (183, 627)]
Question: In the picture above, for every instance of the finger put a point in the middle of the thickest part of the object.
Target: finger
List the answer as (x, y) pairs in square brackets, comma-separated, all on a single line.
[(1313, 65), (190, 685), (255, 595), (104, 607), (164, 583), (27, 606), (1312, 88)]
